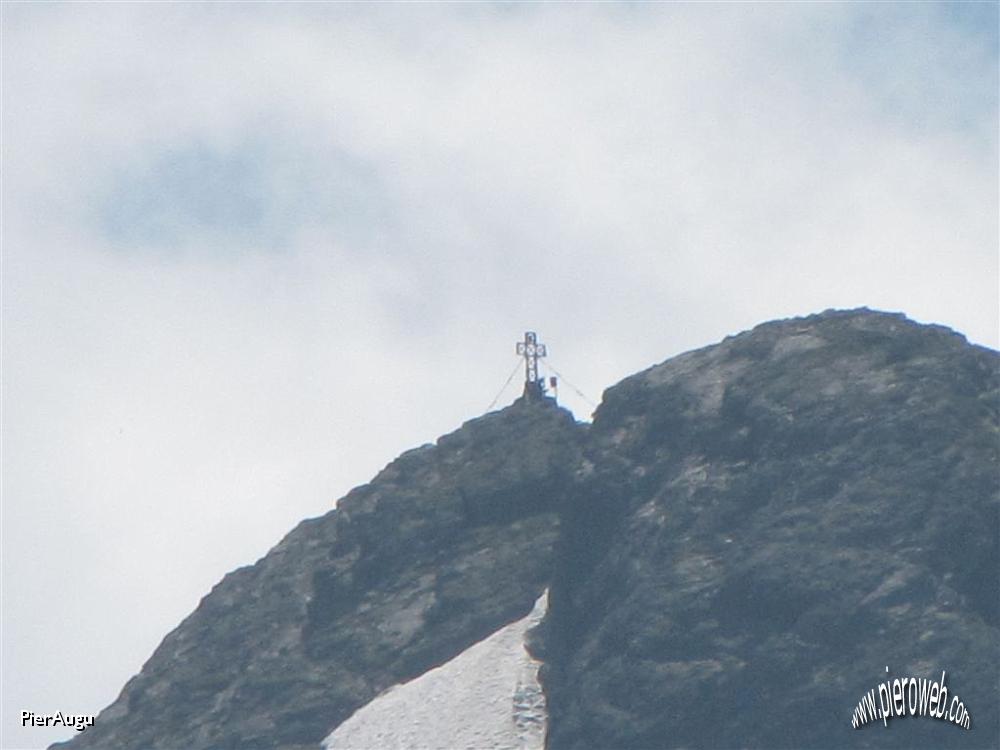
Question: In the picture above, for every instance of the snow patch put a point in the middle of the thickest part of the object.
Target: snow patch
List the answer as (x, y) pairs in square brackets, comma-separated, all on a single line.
[(486, 697)]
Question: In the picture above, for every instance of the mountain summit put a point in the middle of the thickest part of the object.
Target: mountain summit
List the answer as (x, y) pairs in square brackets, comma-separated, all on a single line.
[(735, 551)]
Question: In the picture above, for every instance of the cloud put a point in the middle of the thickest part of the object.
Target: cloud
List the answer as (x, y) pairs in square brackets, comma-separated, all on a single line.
[(252, 252)]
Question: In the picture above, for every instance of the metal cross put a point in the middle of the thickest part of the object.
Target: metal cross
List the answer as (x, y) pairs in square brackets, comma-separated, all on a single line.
[(531, 350)]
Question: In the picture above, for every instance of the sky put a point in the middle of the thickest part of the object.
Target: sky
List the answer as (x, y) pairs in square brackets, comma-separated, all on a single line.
[(251, 252)]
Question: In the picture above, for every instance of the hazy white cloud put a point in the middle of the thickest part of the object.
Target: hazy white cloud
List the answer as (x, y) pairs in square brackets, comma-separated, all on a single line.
[(252, 252)]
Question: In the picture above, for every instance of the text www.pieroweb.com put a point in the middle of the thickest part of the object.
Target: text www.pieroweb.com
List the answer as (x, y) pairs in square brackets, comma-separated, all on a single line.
[(909, 696)]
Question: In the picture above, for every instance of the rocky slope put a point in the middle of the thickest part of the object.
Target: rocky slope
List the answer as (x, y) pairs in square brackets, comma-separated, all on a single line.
[(735, 550), (770, 522), (446, 545)]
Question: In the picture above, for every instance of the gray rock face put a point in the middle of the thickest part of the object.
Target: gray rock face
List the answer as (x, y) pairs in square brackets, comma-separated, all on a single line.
[(768, 523), (445, 546)]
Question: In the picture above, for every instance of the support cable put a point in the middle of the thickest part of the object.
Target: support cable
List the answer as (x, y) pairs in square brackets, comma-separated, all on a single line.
[(509, 378)]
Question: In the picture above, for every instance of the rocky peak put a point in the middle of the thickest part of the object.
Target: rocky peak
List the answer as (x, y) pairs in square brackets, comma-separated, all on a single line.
[(771, 522), (448, 543)]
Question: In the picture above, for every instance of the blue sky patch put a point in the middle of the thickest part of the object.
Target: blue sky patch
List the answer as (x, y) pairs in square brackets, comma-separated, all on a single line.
[(254, 197)]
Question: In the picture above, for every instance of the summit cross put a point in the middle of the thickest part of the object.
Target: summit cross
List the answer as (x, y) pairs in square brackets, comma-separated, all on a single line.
[(532, 351)]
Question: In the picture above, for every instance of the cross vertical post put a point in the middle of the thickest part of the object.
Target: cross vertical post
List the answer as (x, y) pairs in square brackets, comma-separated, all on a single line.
[(531, 350)]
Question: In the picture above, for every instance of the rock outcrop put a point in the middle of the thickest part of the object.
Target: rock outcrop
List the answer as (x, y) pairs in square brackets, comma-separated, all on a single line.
[(766, 525), (736, 549)]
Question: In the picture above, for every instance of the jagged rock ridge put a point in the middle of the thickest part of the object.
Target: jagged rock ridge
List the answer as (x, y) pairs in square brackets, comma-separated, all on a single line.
[(736, 548)]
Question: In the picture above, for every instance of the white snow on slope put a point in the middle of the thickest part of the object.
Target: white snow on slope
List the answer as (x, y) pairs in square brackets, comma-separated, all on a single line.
[(486, 697)]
